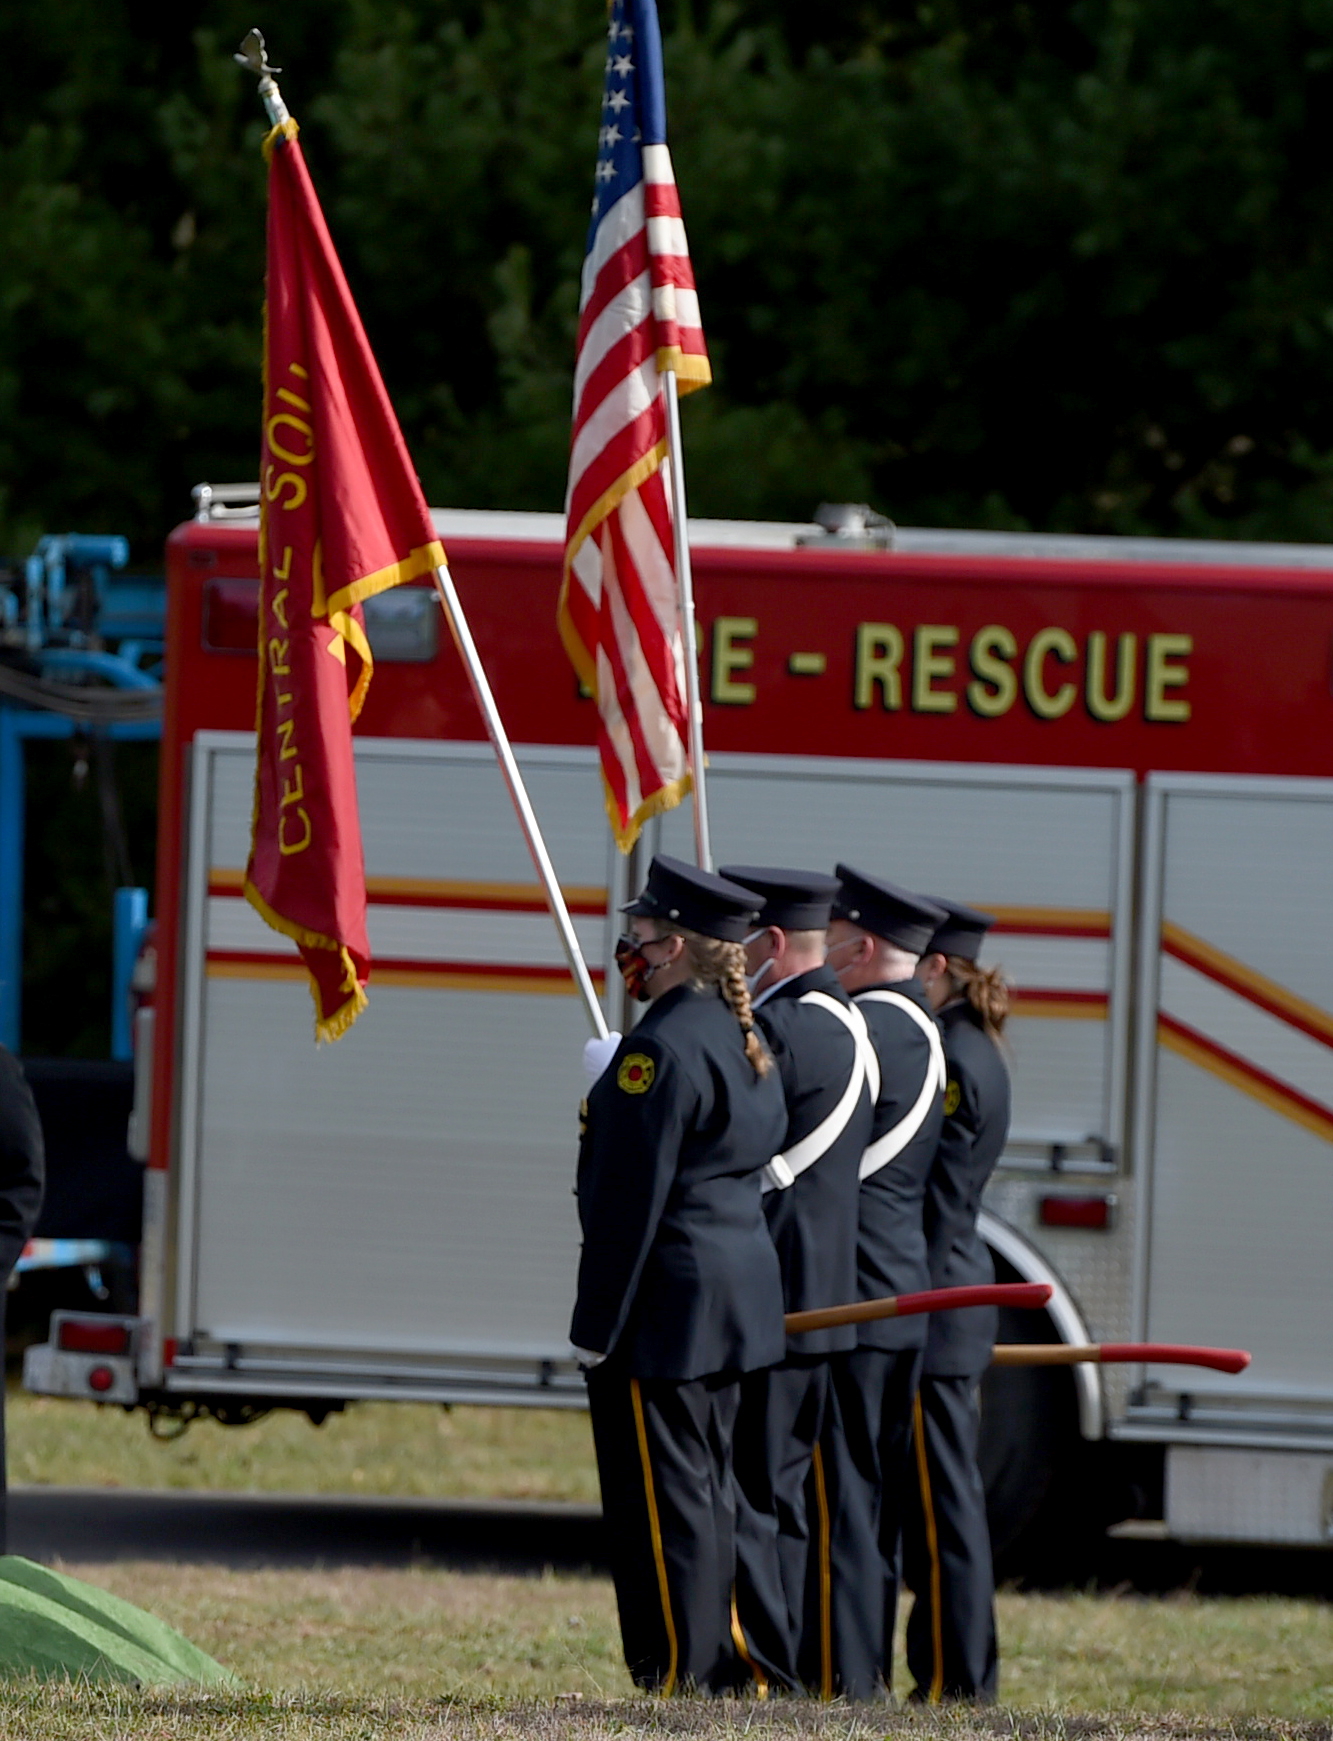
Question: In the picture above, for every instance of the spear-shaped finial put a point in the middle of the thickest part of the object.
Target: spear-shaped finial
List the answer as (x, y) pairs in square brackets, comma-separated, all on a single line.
[(252, 55)]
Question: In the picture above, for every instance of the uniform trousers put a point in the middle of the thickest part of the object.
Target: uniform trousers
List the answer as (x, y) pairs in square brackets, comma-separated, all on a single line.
[(664, 1460), (859, 1481), (781, 1417), (951, 1647)]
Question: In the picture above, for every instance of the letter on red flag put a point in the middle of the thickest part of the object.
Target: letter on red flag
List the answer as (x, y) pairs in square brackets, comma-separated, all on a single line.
[(342, 517)]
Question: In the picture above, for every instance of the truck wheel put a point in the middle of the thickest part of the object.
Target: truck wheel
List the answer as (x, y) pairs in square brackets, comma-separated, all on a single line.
[(1030, 1450)]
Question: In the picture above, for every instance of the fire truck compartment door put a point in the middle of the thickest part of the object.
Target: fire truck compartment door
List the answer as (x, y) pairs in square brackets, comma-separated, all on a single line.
[(407, 1192), (1049, 851), (1235, 1080)]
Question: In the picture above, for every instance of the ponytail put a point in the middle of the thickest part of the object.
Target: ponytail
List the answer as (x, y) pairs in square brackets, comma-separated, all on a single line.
[(713, 962), (986, 989), (737, 994)]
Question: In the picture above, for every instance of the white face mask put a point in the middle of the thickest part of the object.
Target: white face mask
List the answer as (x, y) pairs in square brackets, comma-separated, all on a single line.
[(753, 980), (834, 948)]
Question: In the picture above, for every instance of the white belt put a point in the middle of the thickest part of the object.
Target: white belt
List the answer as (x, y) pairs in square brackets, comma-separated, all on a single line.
[(888, 1147), (784, 1169)]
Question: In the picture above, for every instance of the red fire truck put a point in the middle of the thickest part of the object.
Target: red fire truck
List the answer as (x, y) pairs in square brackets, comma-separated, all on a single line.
[(1124, 749)]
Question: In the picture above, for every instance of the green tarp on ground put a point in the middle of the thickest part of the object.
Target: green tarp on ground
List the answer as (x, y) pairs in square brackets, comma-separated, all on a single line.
[(53, 1626)]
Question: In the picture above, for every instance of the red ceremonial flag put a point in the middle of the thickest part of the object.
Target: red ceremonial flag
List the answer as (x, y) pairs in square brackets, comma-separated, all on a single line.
[(342, 517), (638, 318)]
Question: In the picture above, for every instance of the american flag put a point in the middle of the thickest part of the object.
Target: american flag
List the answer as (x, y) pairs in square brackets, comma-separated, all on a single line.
[(638, 318)]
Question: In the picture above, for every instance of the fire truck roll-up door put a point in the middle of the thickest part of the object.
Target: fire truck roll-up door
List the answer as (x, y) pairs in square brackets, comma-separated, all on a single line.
[(392, 1215), (1235, 1125), (1049, 851)]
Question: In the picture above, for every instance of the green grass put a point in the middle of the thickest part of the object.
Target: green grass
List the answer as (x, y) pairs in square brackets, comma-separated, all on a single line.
[(417, 1634), (1210, 1656), (38, 1713), (357, 1641), (411, 1450), (359, 1653)]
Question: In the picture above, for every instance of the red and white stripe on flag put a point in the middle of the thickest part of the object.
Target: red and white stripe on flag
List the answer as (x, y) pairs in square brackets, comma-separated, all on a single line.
[(619, 615)]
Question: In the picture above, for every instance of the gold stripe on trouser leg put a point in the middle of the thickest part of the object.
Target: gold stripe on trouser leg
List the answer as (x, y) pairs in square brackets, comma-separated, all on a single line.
[(655, 1529), (825, 1580), (933, 1549), (738, 1638)]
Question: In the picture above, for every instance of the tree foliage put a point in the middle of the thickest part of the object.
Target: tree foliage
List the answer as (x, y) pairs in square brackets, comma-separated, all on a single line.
[(981, 263)]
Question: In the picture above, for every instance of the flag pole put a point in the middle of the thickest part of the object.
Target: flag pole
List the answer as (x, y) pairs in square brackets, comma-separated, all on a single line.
[(1231, 1360), (703, 846), (252, 55), (555, 899), (1028, 1295)]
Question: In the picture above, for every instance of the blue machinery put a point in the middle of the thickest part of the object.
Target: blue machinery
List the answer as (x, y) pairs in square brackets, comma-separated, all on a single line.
[(80, 652)]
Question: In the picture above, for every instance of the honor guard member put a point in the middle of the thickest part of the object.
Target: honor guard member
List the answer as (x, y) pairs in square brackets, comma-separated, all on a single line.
[(22, 1176), (678, 1290), (876, 935), (819, 1042), (951, 1648)]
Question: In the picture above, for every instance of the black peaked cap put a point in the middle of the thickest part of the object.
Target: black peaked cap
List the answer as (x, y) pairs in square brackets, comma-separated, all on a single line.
[(682, 894), (793, 900), (906, 920), (963, 931)]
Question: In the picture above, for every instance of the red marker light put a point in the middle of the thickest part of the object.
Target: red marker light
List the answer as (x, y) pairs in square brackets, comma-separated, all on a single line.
[(101, 1378), (1097, 1212), (231, 616), (93, 1336)]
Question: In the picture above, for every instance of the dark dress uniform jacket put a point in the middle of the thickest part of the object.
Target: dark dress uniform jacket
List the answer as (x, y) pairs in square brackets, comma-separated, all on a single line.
[(22, 1162), (678, 1274), (813, 1220), (891, 1253), (22, 1175), (976, 1124)]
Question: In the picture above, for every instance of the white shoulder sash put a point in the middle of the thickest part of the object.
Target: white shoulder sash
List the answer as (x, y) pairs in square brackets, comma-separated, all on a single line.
[(784, 1169), (888, 1147)]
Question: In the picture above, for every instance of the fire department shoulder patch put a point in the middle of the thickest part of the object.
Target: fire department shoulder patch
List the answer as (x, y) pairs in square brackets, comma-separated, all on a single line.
[(636, 1072), (953, 1095)]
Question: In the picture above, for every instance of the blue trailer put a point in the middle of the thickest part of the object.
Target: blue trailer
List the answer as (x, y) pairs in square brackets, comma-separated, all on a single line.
[(81, 646)]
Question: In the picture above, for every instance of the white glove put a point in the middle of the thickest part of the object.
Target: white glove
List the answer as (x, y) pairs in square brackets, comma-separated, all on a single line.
[(585, 1356), (597, 1054)]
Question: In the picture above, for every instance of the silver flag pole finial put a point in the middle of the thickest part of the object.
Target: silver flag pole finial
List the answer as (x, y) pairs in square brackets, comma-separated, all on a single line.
[(252, 55)]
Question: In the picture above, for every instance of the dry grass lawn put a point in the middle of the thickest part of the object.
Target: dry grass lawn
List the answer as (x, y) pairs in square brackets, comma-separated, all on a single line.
[(407, 1450), (73, 1714), (358, 1641), (473, 1656)]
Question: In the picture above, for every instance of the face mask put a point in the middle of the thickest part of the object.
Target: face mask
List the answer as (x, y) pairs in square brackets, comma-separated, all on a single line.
[(635, 968), (846, 944), (754, 980)]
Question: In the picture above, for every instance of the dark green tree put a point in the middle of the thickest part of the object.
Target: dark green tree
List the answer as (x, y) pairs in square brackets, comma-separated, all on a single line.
[(1060, 267)]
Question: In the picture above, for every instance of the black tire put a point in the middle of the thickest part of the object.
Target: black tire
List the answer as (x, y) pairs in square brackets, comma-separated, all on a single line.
[(1031, 1454)]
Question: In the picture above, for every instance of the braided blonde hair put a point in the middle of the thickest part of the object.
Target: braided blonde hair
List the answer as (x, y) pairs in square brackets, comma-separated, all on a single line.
[(985, 988), (713, 962)]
